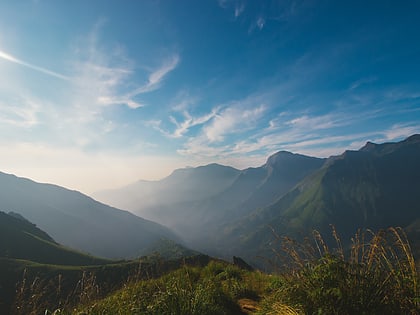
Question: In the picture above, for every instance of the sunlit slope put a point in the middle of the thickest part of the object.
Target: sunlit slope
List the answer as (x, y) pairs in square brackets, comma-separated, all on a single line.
[(78, 221), (375, 187)]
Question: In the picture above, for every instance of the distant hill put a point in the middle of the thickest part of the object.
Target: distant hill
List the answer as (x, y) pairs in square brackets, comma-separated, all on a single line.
[(183, 185), (169, 250), (21, 239), (197, 202), (375, 187), (78, 221)]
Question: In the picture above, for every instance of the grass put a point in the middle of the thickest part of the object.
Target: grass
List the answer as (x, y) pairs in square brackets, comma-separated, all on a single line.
[(214, 289), (376, 275), (42, 287)]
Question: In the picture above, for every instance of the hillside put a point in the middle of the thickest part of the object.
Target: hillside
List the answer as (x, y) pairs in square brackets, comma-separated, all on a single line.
[(375, 187), (197, 202), (78, 221), (21, 239), (186, 184)]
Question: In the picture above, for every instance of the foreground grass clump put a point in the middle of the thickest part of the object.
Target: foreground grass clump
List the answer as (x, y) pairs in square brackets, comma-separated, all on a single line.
[(376, 276), (214, 289)]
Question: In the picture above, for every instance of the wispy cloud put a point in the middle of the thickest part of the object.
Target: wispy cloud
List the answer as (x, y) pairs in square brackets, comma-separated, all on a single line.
[(156, 77), (260, 22), (361, 82), (231, 120), (189, 122), (239, 9), (398, 131), (325, 121), (22, 112), (78, 113), (103, 77), (13, 59)]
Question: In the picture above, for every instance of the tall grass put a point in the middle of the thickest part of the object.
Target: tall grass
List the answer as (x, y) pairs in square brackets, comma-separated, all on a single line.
[(37, 295), (212, 290), (377, 275)]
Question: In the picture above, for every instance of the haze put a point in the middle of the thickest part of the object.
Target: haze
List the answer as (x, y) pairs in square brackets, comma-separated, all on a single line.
[(97, 94)]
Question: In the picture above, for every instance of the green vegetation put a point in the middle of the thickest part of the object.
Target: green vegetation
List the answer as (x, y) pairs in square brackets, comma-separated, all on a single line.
[(377, 275), (32, 288), (214, 289), (21, 239)]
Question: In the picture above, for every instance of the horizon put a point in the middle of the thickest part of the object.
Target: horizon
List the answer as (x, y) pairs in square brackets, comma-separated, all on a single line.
[(196, 166), (99, 95)]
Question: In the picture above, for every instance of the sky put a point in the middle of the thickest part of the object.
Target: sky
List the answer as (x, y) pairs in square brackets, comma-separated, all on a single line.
[(99, 94)]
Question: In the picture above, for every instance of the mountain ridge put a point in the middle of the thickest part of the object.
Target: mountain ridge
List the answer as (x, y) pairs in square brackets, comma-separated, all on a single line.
[(21, 239), (78, 221), (375, 187), (201, 212)]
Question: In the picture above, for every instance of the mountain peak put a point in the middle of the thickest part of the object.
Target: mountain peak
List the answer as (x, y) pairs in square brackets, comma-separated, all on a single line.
[(286, 156), (413, 138), (373, 147), (369, 146), (279, 156)]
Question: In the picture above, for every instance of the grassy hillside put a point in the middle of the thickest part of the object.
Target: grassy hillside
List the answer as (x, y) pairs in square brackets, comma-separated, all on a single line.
[(21, 239)]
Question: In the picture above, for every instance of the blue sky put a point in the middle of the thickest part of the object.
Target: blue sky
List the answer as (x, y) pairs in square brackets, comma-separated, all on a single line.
[(98, 94)]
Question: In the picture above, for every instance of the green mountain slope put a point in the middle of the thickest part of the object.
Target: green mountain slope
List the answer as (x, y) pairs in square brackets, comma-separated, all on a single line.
[(375, 187), (78, 221), (21, 239)]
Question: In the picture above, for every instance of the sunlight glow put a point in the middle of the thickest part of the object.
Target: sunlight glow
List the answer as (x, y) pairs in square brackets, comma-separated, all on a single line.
[(13, 59)]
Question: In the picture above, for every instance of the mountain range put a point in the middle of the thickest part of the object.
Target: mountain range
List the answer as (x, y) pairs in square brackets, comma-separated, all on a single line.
[(197, 202), (374, 187), (224, 211), (77, 221)]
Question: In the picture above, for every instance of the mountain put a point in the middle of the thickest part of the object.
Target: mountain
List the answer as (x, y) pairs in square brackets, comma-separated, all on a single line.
[(197, 202), (375, 187), (78, 221), (20, 239), (281, 172), (187, 184)]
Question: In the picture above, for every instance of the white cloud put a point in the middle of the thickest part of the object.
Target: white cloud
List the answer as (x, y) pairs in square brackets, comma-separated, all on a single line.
[(362, 81), (232, 119), (102, 77), (156, 77), (189, 122), (260, 22), (319, 122), (239, 8), (398, 131), (22, 112)]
